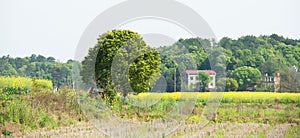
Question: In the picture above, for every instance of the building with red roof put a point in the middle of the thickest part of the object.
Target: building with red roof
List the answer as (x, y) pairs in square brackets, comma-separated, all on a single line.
[(193, 79)]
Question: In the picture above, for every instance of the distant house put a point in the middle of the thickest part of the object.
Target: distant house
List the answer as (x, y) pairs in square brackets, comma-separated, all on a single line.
[(193, 79), (277, 81), (295, 68), (274, 80)]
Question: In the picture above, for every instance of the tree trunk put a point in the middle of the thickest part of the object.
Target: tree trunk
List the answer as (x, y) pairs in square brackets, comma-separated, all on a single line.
[(104, 93)]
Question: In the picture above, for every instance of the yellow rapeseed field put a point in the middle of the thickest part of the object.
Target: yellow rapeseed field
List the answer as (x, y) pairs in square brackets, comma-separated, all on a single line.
[(14, 84), (225, 96)]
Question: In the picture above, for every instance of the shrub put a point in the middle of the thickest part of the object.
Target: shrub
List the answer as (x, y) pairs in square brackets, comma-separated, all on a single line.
[(6, 132)]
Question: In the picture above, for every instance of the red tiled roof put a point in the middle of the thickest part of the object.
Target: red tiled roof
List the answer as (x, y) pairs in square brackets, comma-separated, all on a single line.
[(194, 72)]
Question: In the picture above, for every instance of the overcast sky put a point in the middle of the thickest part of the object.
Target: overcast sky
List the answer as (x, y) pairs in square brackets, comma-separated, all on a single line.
[(54, 27)]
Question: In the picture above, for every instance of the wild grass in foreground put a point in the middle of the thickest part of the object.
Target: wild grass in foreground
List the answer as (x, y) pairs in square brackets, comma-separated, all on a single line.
[(38, 109), (240, 114), (257, 114)]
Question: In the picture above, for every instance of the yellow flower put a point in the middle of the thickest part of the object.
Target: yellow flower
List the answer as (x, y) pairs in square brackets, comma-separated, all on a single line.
[(235, 97)]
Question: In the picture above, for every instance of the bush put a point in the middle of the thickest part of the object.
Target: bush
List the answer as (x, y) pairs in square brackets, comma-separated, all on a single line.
[(227, 84), (6, 132)]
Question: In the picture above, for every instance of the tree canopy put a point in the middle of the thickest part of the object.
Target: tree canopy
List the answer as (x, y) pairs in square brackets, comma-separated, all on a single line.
[(246, 77), (121, 60), (229, 84), (268, 54)]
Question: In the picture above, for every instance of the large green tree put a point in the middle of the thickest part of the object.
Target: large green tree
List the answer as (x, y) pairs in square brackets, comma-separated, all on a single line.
[(246, 77), (133, 62)]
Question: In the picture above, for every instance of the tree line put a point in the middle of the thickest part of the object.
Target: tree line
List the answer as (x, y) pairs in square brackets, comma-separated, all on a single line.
[(246, 60), (38, 66)]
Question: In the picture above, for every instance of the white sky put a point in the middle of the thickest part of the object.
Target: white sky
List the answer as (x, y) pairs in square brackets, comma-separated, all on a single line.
[(54, 27)]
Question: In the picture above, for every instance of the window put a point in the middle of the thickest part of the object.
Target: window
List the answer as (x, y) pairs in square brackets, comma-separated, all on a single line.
[(191, 78), (211, 84)]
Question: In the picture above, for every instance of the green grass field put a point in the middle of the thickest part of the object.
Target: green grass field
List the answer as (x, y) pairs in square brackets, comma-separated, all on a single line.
[(260, 113)]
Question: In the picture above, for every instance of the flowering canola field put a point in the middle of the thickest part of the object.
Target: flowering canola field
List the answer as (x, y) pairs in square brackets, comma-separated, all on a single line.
[(226, 97), (22, 84)]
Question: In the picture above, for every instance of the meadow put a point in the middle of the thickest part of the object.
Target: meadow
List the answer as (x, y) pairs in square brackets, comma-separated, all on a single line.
[(29, 107), (30, 104), (242, 107), (240, 114)]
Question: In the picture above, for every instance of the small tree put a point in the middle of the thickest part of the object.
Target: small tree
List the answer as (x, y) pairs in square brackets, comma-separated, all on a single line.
[(204, 79), (230, 84)]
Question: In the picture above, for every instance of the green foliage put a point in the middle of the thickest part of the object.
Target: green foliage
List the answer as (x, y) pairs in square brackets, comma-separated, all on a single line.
[(273, 65), (246, 77), (229, 84), (38, 66), (260, 51), (204, 79), (269, 54), (20, 112), (289, 80), (291, 133), (183, 55), (265, 88), (6, 132), (120, 46), (39, 110), (46, 121)]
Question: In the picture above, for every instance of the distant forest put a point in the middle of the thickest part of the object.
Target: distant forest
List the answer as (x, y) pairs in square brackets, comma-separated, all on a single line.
[(38, 66), (268, 54), (262, 54)]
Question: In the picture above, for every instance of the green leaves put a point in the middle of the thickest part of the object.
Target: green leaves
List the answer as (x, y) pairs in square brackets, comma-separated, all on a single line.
[(204, 79), (122, 62), (246, 76), (230, 84)]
